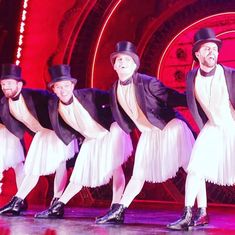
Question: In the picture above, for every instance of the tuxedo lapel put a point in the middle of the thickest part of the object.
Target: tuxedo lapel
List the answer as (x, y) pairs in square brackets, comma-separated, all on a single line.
[(53, 109), (114, 102), (191, 97), (190, 89), (12, 124), (5, 110), (29, 102), (81, 97), (86, 99), (139, 92), (230, 81), (118, 113)]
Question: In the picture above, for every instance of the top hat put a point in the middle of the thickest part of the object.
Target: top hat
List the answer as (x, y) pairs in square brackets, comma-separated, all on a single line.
[(204, 35), (60, 73), (127, 48), (11, 71)]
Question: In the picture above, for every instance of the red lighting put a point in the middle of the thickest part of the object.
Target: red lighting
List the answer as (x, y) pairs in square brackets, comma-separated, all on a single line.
[(210, 21), (99, 39)]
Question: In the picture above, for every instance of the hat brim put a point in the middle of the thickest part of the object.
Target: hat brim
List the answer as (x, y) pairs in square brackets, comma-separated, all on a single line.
[(14, 78), (51, 83), (134, 56), (197, 45)]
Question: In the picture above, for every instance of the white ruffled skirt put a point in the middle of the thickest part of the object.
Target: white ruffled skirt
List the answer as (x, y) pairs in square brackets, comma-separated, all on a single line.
[(11, 153), (160, 153), (213, 155), (99, 157), (46, 153)]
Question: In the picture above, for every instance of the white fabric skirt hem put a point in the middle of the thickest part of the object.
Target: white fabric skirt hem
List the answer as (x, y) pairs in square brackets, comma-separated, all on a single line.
[(165, 178), (220, 183), (160, 153), (12, 152), (99, 157), (46, 153), (213, 154)]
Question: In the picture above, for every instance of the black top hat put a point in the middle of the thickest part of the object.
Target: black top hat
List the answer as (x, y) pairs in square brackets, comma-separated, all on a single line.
[(11, 71), (204, 35), (128, 48), (60, 73)]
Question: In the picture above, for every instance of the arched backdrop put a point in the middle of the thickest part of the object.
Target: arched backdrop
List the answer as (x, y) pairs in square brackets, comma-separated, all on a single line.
[(83, 33)]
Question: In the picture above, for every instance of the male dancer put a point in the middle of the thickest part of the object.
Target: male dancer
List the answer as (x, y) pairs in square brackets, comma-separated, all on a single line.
[(11, 154), (105, 147), (144, 102), (211, 100), (27, 110)]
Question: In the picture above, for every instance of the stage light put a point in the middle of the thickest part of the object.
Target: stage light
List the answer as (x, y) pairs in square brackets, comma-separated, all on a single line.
[(181, 54), (20, 40), (21, 32), (179, 76)]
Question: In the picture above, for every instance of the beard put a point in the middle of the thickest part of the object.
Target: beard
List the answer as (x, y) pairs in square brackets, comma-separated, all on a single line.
[(10, 93), (209, 62)]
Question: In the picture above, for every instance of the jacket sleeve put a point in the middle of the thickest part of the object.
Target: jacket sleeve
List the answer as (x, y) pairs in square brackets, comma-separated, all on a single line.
[(168, 96)]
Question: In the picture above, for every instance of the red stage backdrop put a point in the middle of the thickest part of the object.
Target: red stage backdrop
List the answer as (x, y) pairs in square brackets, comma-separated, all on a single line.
[(83, 33)]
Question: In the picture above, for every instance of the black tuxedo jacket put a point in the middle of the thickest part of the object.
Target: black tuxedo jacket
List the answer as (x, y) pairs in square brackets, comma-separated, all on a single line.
[(1, 95), (95, 101), (194, 107), (155, 100), (36, 102)]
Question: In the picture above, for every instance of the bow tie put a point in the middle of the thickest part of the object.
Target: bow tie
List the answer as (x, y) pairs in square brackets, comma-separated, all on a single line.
[(15, 98), (70, 101), (126, 82), (208, 74)]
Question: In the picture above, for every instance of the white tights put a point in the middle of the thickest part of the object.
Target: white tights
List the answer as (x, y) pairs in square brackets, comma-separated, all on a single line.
[(60, 180), (19, 173), (133, 188), (118, 186), (30, 181), (195, 188)]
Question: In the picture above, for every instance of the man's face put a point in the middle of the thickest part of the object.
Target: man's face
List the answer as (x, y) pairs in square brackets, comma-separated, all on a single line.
[(208, 54), (124, 65), (64, 90), (11, 87)]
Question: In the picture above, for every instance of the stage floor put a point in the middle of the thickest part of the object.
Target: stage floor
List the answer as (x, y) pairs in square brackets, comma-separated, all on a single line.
[(80, 221)]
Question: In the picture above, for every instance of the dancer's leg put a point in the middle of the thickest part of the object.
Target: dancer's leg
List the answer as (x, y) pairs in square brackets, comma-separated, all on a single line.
[(118, 184)]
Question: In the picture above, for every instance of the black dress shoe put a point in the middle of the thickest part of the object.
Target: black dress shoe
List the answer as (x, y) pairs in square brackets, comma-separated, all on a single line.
[(114, 216), (14, 207), (55, 211), (201, 217), (25, 205), (184, 222), (112, 207), (54, 200)]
